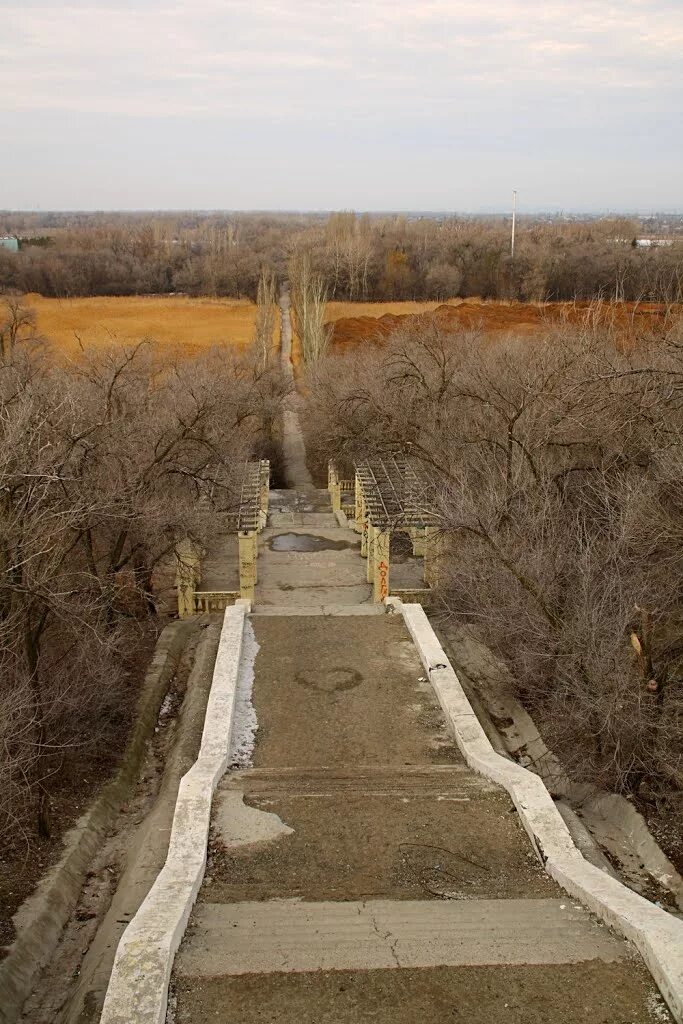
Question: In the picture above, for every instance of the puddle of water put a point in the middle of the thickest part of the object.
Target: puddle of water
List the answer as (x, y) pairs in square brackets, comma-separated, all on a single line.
[(306, 542)]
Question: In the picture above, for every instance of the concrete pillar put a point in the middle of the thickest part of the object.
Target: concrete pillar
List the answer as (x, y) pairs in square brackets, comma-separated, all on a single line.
[(333, 487), (369, 550), (432, 553), (364, 532), (264, 492), (188, 574), (358, 517), (380, 560), (417, 535), (247, 540)]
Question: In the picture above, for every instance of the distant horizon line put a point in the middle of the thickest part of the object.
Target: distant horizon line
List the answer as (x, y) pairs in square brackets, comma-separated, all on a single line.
[(480, 212)]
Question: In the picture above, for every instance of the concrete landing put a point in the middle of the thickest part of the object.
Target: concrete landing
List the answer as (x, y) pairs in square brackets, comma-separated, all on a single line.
[(303, 564)]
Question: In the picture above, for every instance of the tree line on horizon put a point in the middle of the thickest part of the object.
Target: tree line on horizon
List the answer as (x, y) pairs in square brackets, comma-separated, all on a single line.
[(358, 258)]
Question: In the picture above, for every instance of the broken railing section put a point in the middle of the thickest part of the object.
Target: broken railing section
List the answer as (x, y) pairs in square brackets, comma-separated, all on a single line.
[(390, 495), (249, 520)]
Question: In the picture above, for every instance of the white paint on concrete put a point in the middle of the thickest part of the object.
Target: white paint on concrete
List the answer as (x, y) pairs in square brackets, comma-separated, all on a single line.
[(657, 935), (292, 935), (138, 988), (238, 824), (244, 722)]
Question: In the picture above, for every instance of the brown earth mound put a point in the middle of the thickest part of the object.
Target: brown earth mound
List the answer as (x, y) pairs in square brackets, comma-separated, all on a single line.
[(500, 317)]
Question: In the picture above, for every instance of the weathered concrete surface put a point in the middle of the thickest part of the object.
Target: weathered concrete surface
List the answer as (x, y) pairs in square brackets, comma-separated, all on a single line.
[(332, 575), (344, 691), (589, 993), (238, 824), (288, 935), (376, 832), (396, 850)]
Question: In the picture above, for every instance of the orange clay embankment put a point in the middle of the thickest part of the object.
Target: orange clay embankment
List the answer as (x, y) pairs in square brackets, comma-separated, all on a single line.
[(490, 318)]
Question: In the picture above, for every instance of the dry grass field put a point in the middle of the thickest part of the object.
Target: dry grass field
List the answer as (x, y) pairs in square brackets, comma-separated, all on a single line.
[(179, 322)]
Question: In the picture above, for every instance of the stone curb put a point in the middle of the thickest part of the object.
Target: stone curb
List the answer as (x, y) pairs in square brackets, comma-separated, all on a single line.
[(40, 920), (138, 987), (656, 934)]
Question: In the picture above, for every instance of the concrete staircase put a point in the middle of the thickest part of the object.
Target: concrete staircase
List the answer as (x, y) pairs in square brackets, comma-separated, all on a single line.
[(361, 871)]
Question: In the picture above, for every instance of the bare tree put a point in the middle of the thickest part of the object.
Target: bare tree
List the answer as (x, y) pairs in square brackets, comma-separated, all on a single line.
[(266, 317), (309, 295), (17, 324), (105, 463)]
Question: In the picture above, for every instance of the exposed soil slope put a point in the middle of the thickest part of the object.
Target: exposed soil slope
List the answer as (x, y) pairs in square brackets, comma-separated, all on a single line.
[(494, 318)]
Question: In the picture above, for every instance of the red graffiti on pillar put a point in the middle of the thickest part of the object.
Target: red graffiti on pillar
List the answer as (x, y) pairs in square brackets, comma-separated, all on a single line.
[(383, 570)]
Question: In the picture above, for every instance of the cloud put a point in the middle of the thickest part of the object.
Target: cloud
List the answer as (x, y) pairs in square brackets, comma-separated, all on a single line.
[(139, 58), (399, 73)]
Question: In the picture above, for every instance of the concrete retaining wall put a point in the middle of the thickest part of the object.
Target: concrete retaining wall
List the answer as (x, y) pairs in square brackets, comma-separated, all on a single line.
[(657, 935), (138, 988), (41, 919)]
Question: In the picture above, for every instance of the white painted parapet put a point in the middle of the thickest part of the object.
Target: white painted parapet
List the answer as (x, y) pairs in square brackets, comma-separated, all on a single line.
[(138, 987), (657, 935)]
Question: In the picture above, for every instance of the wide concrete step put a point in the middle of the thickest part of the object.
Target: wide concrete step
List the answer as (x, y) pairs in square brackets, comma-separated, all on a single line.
[(308, 500), (288, 935), (277, 520), (443, 782), (333, 609)]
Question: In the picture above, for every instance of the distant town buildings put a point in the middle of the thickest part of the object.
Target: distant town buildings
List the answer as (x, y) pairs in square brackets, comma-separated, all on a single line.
[(646, 243)]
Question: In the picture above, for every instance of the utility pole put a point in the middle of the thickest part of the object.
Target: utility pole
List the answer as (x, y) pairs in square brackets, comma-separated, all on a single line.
[(514, 217)]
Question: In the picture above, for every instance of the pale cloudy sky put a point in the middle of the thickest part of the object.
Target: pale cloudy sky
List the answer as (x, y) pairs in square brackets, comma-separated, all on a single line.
[(381, 104)]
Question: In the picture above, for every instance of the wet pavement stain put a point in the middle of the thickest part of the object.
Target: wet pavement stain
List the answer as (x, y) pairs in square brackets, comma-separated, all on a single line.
[(307, 542), (331, 681)]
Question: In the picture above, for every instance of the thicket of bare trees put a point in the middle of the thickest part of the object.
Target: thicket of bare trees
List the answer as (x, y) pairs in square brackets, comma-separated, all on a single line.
[(105, 464), (357, 257), (308, 295), (266, 317), (558, 466)]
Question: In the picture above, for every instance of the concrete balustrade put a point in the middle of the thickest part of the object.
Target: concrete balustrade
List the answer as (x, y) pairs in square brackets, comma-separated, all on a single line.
[(252, 518)]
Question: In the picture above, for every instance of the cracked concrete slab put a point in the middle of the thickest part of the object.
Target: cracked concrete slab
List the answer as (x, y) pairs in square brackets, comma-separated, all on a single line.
[(288, 935)]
